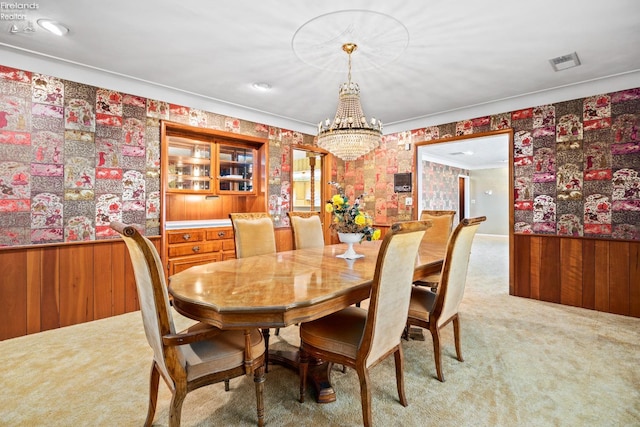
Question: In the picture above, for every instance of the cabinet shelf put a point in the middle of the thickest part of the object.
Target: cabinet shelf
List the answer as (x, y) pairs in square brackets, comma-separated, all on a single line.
[(233, 178), (189, 160), (235, 169), (189, 177)]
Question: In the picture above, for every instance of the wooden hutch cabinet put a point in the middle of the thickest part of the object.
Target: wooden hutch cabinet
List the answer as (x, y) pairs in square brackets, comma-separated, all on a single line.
[(209, 167), (206, 175)]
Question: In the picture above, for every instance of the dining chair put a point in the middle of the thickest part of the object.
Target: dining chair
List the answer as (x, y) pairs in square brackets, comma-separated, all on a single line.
[(254, 234), (361, 338), (306, 229), (439, 232), (198, 356), (434, 310)]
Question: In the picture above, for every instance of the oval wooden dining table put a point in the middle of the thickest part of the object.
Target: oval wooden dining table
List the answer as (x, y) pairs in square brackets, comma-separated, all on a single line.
[(285, 288)]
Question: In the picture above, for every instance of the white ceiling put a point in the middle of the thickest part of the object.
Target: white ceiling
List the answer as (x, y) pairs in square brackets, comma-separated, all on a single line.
[(419, 62)]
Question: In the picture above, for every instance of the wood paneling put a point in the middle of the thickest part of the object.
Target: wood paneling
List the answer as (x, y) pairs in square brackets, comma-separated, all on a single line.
[(50, 286), (571, 273), (34, 290), (46, 287), (634, 280), (102, 274), (522, 282), (550, 269), (76, 285), (619, 277), (534, 271), (14, 298), (591, 273), (602, 275)]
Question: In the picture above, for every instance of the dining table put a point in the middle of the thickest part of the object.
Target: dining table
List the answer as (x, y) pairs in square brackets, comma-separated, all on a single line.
[(286, 288)]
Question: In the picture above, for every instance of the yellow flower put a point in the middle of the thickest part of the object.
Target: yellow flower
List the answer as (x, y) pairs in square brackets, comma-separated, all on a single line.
[(328, 208), (376, 234), (337, 200), (360, 219)]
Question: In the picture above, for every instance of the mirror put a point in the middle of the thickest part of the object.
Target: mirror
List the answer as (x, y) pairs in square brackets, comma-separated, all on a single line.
[(306, 192)]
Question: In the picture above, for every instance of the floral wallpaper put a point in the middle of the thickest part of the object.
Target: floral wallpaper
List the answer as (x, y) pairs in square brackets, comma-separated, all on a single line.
[(440, 191), (576, 164), (75, 157)]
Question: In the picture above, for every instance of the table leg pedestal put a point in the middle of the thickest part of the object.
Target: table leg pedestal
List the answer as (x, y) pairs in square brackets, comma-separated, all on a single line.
[(318, 373)]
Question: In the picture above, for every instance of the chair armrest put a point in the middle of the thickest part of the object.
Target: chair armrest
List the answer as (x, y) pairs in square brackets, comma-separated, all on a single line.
[(189, 337)]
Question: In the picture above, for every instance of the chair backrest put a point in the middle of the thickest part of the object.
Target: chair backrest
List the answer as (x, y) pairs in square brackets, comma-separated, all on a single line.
[(306, 229), (152, 296), (391, 289), (441, 225), (254, 234), (454, 270)]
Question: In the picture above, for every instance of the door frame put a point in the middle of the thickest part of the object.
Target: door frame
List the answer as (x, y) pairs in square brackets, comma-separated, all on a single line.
[(417, 186)]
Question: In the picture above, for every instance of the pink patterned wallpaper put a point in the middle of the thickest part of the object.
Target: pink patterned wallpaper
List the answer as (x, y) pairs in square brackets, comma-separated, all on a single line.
[(74, 157), (576, 165)]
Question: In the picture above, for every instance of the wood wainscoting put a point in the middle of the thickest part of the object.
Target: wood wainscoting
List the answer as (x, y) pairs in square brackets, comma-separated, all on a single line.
[(47, 287), (597, 274)]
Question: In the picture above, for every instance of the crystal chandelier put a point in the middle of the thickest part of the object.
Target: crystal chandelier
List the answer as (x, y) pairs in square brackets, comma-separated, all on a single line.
[(349, 136)]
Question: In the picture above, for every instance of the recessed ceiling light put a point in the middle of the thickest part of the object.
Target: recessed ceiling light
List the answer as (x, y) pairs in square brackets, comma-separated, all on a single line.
[(261, 86), (53, 27)]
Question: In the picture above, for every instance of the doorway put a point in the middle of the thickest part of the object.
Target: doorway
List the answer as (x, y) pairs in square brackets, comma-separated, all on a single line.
[(473, 176)]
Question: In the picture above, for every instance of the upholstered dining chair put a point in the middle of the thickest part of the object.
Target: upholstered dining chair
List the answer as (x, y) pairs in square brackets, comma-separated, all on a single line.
[(254, 235), (306, 229), (439, 232), (198, 356), (361, 338), (434, 310)]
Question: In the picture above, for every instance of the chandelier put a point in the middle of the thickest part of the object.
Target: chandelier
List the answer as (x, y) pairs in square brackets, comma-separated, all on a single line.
[(349, 136)]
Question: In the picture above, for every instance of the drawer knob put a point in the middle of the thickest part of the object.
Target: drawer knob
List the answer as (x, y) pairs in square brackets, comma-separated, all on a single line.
[(186, 236), (221, 233), (195, 248)]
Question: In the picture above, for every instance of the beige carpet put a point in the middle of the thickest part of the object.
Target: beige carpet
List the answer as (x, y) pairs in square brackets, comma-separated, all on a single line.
[(527, 363)]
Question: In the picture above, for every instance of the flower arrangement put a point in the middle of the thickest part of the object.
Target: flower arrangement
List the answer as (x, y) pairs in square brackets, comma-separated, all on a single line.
[(349, 218)]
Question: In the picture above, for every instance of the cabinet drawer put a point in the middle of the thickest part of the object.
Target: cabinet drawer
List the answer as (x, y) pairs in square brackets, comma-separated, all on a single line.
[(219, 233), (180, 264), (228, 245), (193, 249), (186, 236), (228, 255)]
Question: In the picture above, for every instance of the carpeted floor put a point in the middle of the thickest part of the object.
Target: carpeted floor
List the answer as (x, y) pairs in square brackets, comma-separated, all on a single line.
[(527, 363)]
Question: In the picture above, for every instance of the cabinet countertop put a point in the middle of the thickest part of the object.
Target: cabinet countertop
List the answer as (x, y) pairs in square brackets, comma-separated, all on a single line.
[(204, 223)]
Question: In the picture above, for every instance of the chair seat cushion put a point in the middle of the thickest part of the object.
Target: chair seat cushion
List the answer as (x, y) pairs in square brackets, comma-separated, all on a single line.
[(422, 300), (225, 351), (340, 332)]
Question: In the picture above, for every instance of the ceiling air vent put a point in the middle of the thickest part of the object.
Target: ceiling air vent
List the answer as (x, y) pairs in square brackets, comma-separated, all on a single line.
[(565, 61)]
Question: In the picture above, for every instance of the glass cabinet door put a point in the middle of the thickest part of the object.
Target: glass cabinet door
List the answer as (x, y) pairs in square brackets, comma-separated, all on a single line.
[(189, 165), (236, 165)]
